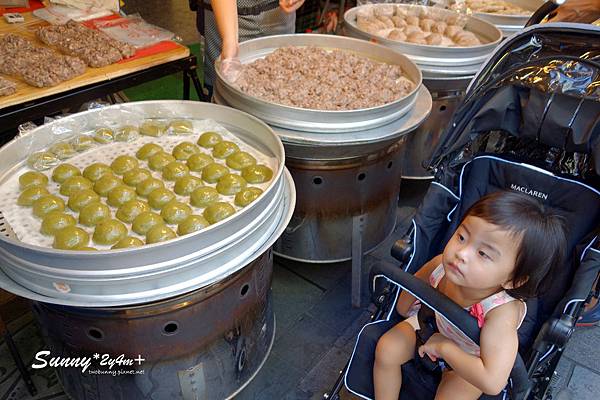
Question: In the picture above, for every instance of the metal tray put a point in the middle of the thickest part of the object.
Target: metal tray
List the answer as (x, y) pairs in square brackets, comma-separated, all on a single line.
[(330, 146), (510, 24), (303, 119), (436, 60), (151, 272)]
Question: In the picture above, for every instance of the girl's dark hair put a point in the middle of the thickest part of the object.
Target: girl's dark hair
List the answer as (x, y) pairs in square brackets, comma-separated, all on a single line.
[(542, 238)]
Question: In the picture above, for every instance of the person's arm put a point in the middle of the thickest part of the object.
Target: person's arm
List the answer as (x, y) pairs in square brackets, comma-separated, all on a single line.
[(584, 11), (226, 17), (499, 346), (289, 6), (406, 299)]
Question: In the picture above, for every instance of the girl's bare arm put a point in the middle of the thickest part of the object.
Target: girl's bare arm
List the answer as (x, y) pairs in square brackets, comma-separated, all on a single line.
[(499, 346), (406, 299)]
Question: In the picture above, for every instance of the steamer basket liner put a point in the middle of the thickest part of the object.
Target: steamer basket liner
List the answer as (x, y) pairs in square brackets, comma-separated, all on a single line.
[(27, 227), (150, 272)]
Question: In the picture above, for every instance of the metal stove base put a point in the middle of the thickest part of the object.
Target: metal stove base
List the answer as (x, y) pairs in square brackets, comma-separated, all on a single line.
[(208, 344)]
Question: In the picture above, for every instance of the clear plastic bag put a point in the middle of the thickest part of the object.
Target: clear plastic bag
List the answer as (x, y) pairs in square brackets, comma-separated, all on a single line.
[(25, 128), (133, 29), (93, 105), (59, 15), (69, 140), (230, 68), (112, 5)]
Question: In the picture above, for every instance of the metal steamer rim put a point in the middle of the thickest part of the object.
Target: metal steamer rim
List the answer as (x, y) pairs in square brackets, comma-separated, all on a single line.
[(511, 23), (403, 124)]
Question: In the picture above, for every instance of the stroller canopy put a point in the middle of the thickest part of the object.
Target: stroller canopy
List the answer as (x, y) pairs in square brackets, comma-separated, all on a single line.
[(542, 86)]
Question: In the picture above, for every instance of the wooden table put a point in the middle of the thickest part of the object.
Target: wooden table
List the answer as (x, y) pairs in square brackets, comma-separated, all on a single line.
[(30, 103)]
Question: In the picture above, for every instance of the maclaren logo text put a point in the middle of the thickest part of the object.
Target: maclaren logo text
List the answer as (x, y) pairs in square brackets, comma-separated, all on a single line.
[(528, 191)]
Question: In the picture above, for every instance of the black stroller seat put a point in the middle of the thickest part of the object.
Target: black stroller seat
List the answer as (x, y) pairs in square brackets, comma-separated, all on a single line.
[(435, 221), (530, 122)]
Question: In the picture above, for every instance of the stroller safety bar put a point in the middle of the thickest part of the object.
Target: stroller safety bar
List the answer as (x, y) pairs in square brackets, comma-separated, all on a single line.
[(452, 312)]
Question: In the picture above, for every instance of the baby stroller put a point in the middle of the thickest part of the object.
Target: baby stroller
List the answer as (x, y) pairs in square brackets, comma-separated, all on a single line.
[(530, 122)]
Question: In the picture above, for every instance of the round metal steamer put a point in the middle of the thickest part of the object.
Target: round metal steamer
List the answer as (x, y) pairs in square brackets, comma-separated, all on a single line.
[(158, 271), (207, 344), (447, 72), (437, 61), (319, 121), (510, 24), (447, 93), (347, 178)]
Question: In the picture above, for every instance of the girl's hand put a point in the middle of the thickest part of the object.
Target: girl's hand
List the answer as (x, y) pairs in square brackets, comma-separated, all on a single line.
[(433, 347), (289, 6)]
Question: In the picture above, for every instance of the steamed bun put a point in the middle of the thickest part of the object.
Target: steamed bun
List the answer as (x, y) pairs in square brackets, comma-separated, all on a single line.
[(396, 34), (416, 37), (434, 39)]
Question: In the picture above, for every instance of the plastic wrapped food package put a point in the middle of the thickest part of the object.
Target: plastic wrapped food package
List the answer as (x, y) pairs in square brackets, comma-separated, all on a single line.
[(153, 127), (37, 66), (134, 30), (127, 133), (94, 47), (180, 127), (42, 160)]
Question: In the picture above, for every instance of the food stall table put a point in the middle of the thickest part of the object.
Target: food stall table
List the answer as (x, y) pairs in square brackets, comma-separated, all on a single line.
[(30, 103)]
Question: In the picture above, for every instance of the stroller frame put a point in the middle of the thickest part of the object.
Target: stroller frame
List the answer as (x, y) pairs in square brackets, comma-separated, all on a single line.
[(554, 333)]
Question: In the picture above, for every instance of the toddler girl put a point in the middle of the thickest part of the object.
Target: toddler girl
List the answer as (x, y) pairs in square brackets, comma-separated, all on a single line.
[(502, 253)]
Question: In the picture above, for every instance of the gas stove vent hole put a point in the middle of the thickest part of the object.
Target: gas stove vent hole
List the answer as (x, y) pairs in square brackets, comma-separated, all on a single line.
[(170, 328), (95, 334), (244, 290)]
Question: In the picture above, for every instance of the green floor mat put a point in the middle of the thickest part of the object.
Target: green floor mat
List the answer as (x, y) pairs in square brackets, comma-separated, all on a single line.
[(169, 87)]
